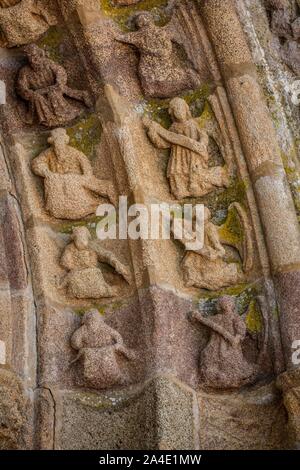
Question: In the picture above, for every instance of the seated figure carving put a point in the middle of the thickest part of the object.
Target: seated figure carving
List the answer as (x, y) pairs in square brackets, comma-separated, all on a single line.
[(222, 363), (162, 73), (82, 258), (188, 170), (24, 21), (102, 352), (43, 84), (207, 268), (71, 189)]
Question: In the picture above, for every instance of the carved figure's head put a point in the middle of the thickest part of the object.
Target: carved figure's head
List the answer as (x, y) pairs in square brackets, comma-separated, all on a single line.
[(35, 54), (91, 318), (59, 138), (179, 110), (226, 305), (81, 237), (142, 20)]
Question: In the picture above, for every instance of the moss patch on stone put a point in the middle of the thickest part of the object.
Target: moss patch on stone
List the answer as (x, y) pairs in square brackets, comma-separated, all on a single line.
[(85, 135), (157, 109), (122, 14), (232, 231), (245, 294), (254, 321), (51, 42)]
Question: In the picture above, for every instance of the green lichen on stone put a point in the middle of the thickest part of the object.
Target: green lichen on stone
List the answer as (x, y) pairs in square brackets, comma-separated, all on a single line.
[(219, 201), (122, 14), (293, 175), (85, 135), (89, 222), (254, 321), (51, 42), (103, 309), (232, 231), (157, 109), (244, 294)]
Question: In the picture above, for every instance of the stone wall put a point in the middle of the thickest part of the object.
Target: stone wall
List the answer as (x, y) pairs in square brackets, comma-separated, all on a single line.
[(144, 344)]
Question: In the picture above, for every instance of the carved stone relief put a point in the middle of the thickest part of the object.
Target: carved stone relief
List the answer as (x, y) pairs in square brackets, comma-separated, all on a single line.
[(101, 350), (74, 272), (23, 21), (208, 268), (161, 71), (42, 83), (222, 363), (81, 258), (188, 170), (71, 190), (285, 23)]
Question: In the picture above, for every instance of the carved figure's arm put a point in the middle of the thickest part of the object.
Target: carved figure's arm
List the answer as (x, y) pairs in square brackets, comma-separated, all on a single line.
[(214, 239), (108, 257), (40, 165), (23, 86), (60, 74), (128, 38), (66, 260), (85, 165), (215, 327), (151, 127)]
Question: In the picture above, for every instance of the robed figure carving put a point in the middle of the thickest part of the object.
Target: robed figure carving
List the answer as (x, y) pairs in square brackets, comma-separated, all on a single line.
[(188, 171)]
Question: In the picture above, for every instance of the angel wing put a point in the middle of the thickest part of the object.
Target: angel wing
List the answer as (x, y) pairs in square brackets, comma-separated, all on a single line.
[(186, 29), (237, 232)]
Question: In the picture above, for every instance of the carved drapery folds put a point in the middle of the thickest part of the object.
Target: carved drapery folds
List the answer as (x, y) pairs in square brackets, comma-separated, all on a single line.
[(188, 169), (208, 268), (102, 353), (223, 364), (114, 313), (81, 259), (24, 21), (71, 190), (160, 70), (42, 83)]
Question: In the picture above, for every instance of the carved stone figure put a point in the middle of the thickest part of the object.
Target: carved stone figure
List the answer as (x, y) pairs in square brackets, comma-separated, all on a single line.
[(71, 189), (43, 84), (188, 170), (222, 363), (23, 21), (102, 352), (285, 23), (207, 268), (82, 258), (162, 73), (13, 407)]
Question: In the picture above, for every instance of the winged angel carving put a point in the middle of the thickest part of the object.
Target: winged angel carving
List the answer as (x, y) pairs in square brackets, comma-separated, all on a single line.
[(163, 71), (208, 267)]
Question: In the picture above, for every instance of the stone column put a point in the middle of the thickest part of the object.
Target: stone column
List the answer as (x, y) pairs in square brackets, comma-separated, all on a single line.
[(263, 157)]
